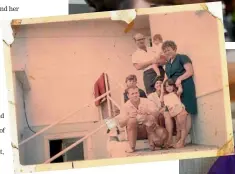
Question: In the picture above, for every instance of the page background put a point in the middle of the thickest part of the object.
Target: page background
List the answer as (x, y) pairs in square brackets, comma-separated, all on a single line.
[(49, 8)]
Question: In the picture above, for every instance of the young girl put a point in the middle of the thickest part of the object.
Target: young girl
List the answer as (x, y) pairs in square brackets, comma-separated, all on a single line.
[(172, 103)]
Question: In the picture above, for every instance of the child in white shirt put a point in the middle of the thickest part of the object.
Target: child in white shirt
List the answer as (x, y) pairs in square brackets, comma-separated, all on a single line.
[(157, 49), (172, 103)]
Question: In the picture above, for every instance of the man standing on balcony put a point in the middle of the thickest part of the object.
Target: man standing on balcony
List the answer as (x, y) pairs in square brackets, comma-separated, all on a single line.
[(144, 59)]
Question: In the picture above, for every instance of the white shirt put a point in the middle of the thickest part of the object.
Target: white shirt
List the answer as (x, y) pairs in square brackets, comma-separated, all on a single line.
[(155, 99), (128, 108), (173, 103), (140, 56)]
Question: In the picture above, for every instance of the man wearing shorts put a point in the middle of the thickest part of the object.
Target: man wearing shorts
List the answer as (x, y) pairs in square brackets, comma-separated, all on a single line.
[(132, 113)]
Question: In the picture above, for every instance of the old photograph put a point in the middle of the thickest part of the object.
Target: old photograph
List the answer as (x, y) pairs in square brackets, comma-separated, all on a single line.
[(87, 89)]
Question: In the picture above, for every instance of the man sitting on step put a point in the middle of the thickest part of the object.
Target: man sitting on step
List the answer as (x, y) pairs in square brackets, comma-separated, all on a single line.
[(131, 111)]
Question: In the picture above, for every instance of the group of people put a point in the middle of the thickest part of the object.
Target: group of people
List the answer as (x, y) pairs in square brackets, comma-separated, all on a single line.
[(165, 107)]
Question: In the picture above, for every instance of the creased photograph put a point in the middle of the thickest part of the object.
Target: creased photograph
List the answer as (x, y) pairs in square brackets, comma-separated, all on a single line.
[(118, 87)]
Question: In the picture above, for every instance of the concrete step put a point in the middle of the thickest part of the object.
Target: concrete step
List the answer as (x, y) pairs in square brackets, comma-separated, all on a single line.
[(117, 147), (122, 135)]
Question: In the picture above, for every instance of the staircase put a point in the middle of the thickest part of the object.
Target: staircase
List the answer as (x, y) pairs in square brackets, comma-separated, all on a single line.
[(117, 145)]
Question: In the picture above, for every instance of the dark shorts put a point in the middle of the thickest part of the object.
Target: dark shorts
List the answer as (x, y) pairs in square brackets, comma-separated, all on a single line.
[(150, 77), (161, 120), (142, 132)]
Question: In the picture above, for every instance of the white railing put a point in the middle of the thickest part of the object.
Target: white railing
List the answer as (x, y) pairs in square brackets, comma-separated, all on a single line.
[(91, 133), (109, 100), (63, 118)]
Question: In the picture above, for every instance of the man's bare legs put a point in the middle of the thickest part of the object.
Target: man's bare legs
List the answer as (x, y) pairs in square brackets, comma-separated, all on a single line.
[(132, 134), (182, 122), (169, 127)]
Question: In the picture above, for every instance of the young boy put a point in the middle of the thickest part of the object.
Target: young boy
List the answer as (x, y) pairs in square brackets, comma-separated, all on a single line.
[(157, 48), (131, 80)]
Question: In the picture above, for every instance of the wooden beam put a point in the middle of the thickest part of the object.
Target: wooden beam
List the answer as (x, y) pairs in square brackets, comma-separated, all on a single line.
[(21, 74), (231, 73), (23, 78), (232, 92), (231, 76)]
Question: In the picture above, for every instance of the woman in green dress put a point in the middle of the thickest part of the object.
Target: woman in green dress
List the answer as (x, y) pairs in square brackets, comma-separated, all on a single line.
[(179, 68)]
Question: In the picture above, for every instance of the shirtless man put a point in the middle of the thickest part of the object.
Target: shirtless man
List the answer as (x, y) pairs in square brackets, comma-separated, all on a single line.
[(133, 116)]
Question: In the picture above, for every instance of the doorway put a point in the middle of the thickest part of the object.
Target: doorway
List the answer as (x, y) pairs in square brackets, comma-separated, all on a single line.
[(55, 148), (74, 154)]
